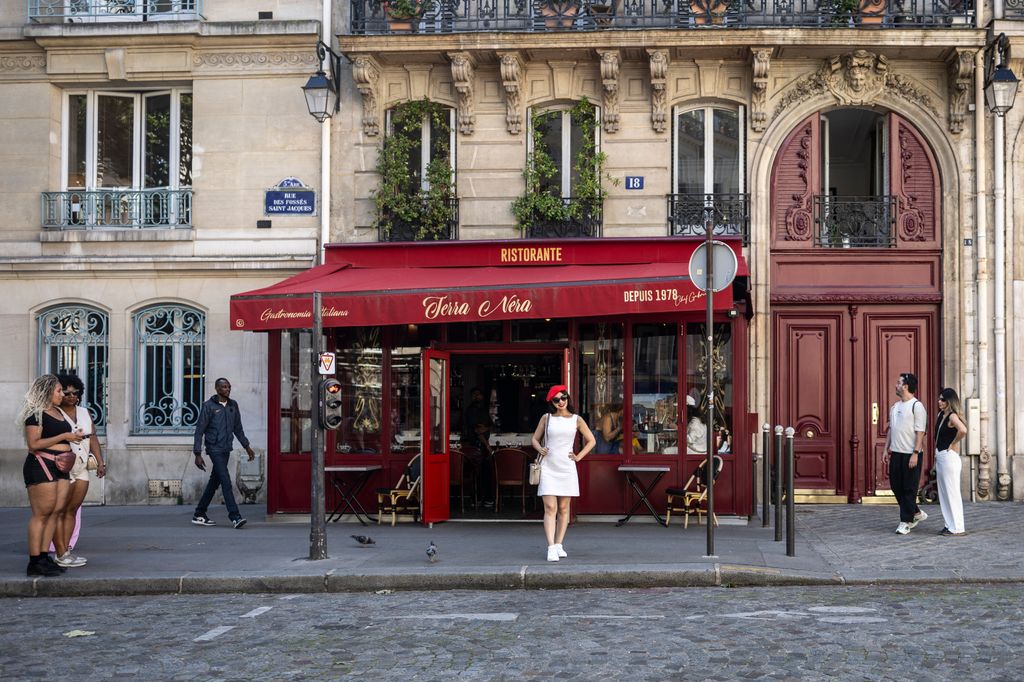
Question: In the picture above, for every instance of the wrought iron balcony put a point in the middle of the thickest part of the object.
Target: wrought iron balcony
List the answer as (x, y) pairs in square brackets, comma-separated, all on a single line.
[(578, 218), (100, 11), (729, 214), (117, 209), (427, 225), (855, 222), (469, 16)]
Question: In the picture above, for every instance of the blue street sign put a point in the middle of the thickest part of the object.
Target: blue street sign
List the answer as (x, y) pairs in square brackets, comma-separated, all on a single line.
[(289, 197)]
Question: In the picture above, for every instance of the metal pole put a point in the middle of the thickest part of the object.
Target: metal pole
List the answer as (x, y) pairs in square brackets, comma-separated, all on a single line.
[(709, 471), (766, 472), (317, 515), (778, 483), (790, 503)]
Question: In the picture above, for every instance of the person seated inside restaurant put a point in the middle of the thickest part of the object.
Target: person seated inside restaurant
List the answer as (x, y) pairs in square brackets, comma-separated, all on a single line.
[(476, 436), (609, 430), (697, 432)]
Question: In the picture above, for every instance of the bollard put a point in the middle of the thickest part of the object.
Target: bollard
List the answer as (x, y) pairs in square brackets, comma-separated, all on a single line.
[(766, 472), (778, 483), (790, 502)]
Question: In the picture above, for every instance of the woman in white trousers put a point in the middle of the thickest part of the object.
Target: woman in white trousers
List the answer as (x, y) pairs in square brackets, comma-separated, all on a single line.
[(949, 431)]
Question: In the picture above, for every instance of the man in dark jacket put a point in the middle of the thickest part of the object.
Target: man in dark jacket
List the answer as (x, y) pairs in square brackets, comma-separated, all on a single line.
[(219, 423)]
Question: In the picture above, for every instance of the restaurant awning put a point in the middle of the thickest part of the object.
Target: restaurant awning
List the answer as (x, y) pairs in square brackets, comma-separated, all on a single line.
[(382, 284)]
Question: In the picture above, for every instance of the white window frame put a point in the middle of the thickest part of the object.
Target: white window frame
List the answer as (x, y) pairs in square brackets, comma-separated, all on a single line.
[(565, 172), (138, 135), (425, 142), (709, 145)]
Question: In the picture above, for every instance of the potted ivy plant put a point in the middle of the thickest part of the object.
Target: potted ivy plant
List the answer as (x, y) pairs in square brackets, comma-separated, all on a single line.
[(406, 207), (541, 207), (402, 14)]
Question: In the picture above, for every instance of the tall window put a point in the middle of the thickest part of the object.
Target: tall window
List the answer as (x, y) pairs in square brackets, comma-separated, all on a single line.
[(655, 388), (602, 373), (560, 137), (709, 151), (127, 160), (73, 339), (296, 392), (696, 387), (360, 369), (170, 368)]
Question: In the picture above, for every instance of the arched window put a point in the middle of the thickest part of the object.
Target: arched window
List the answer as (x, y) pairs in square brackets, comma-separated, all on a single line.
[(170, 368), (73, 339), (708, 171)]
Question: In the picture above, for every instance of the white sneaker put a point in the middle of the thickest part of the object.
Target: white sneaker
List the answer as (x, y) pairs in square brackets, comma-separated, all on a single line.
[(69, 560), (903, 528), (552, 552), (561, 552), (918, 518)]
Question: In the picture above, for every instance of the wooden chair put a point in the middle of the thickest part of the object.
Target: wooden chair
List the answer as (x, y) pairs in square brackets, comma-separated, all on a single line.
[(404, 498), (509, 472), (692, 498)]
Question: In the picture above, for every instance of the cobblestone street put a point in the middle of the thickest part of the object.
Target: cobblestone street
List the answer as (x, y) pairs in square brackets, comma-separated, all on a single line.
[(808, 633)]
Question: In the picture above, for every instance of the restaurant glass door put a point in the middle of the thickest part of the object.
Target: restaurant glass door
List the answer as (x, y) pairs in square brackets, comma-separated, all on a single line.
[(436, 420)]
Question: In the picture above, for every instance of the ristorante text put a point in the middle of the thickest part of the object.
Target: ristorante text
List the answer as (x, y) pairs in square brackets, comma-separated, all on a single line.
[(531, 254)]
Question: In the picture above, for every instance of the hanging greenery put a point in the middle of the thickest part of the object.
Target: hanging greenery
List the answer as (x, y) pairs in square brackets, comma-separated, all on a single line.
[(542, 199), (404, 205)]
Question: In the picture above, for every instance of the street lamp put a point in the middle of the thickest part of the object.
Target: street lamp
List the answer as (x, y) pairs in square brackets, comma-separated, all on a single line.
[(1000, 81), (321, 92)]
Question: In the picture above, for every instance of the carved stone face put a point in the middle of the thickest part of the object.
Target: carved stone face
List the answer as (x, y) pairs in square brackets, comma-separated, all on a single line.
[(857, 75)]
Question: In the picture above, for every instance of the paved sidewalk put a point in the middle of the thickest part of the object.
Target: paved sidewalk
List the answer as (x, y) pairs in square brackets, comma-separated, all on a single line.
[(156, 550)]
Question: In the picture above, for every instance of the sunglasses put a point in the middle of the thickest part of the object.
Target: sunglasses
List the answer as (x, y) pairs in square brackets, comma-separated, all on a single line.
[(560, 399)]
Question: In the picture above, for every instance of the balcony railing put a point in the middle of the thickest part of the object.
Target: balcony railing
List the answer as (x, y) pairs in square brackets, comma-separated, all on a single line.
[(582, 218), (855, 222), (468, 16), (117, 209), (729, 215), (99, 11), (420, 228)]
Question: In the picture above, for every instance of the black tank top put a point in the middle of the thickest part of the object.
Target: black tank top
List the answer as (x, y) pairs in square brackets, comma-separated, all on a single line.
[(944, 432)]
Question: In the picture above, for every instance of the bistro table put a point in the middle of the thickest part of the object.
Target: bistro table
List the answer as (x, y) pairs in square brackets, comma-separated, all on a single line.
[(633, 472), (348, 488)]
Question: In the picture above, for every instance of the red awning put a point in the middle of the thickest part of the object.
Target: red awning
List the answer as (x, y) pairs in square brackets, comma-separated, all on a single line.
[(356, 294)]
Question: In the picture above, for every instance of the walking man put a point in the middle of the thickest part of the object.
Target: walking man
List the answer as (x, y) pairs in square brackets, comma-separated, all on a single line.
[(219, 423), (908, 420)]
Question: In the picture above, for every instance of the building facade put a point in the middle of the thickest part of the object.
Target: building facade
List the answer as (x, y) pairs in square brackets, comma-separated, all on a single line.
[(846, 147)]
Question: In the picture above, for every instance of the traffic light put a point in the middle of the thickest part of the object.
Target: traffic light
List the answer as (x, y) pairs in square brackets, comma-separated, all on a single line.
[(330, 404)]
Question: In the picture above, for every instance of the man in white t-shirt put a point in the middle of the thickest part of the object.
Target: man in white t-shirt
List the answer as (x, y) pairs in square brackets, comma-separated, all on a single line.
[(908, 420)]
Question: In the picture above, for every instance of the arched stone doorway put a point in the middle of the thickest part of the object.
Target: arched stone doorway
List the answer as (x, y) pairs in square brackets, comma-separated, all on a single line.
[(856, 287)]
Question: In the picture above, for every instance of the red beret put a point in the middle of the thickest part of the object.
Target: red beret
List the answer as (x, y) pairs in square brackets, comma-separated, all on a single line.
[(555, 390)]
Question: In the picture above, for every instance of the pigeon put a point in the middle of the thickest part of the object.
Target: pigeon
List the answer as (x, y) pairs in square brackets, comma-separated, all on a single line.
[(431, 552), (364, 539)]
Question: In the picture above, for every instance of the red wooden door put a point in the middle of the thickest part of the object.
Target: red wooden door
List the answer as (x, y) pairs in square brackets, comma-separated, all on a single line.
[(436, 367), (810, 393), (896, 341)]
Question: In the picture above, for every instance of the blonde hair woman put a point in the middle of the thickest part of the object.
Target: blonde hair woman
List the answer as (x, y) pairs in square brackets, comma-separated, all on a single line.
[(47, 433), (559, 481)]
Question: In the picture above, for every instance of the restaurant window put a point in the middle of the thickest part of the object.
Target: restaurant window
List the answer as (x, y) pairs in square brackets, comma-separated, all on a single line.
[(655, 388), (406, 383), (475, 332), (540, 331), (296, 392), (602, 368), (73, 339), (170, 368), (696, 383), (360, 370)]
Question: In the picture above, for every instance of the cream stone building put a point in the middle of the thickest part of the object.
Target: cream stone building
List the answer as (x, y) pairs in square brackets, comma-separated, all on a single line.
[(848, 146)]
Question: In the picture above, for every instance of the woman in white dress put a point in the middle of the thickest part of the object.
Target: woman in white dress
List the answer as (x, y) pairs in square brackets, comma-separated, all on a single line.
[(558, 478)]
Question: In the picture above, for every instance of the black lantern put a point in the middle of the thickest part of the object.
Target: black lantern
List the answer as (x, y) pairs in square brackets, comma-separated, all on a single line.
[(1000, 81), (321, 91)]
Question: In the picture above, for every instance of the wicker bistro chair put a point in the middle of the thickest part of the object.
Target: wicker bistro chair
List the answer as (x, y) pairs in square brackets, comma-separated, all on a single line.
[(509, 472), (404, 498), (692, 498)]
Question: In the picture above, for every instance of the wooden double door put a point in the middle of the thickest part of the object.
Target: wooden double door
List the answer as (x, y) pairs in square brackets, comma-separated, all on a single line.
[(836, 371)]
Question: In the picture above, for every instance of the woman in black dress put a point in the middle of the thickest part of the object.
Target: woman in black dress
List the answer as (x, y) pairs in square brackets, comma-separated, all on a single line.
[(45, 432)]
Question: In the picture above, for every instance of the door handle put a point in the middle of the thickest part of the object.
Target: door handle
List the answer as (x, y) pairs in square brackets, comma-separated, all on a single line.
[(874, 413)]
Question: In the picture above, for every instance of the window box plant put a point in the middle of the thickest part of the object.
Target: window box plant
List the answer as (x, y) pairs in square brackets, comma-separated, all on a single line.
[(408, 208)]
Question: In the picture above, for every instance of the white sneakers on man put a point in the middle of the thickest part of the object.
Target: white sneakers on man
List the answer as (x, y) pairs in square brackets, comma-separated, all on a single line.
[(903, 528), (918, 518), (552, 552)]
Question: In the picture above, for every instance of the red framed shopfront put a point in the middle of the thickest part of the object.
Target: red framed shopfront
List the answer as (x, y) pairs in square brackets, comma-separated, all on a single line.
[(635, 283)]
